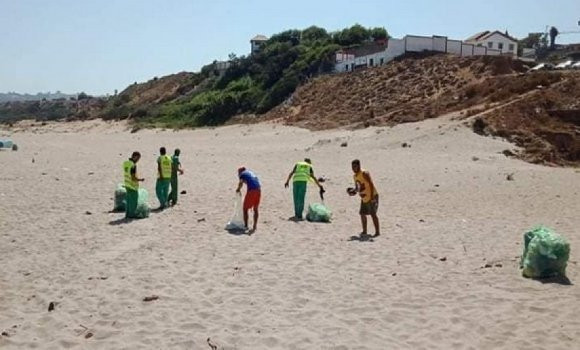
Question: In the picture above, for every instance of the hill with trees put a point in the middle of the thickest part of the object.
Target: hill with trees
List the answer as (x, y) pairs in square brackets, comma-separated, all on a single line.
[(252, 84)]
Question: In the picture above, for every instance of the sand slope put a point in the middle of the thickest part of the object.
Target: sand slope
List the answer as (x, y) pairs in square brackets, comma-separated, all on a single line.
[(291, 285)]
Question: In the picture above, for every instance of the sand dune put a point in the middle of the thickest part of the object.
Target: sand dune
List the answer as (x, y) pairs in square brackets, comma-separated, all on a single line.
[(422, 285)]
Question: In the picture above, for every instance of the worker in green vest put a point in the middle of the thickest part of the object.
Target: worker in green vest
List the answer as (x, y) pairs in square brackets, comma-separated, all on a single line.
[(131, 184), (175, 170), (163, 178), (301, 174)]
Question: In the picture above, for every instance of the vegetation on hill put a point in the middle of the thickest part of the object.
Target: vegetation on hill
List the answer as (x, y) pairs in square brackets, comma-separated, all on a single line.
[(257, 83), (252, 84)]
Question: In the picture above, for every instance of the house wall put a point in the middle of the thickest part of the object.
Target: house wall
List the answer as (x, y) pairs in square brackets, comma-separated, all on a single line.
[(412, 43), (440, 43), (497, 39), (256, 45), (454, 47), (418, 43), (479, 51), (342, 57), (467, 50)]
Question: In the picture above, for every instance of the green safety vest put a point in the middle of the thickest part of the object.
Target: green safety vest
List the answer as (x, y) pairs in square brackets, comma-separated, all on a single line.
[(129, 182), (165, 166), (302, 172)]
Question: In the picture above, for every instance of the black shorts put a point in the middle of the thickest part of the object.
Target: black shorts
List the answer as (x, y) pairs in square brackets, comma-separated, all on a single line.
[(369, 208)]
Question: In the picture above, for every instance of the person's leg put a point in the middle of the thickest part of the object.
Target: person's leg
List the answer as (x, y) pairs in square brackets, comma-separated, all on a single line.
[(376, 224), (374, 209), (166, 183), (299, 189), (246, 207), (256, 215), (363, 220), (159, 192), (132, 199), (174, 189), (246, 218)]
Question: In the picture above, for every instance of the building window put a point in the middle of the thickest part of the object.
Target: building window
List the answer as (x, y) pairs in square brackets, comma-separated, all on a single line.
[(490, 45), (512, 46), (372, 61), (500, 46), (382, 61), (346, 68)]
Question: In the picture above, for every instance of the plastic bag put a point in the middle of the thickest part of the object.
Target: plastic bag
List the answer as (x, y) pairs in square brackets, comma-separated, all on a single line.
[(545, 254), (237, 220), (318, 212), (120, 198), (143, 208)]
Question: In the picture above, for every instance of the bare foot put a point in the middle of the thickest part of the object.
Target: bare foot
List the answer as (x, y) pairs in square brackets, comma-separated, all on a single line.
[(377, 234)]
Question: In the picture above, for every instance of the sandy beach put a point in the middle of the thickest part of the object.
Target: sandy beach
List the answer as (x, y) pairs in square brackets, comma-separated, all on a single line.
[(447, 210)]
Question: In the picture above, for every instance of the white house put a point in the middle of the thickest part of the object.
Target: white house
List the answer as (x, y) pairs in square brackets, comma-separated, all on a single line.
[(257, 43), (495, 41)]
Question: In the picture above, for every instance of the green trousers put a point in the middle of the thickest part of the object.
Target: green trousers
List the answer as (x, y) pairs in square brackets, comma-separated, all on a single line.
[(299, 189), (131, 207), (173, 193), (162, 191)]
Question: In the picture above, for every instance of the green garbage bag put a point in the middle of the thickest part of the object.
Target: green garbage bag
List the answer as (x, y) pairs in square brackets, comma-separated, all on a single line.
[(120, 198), (318, 212), (143, 208), (545, 254)]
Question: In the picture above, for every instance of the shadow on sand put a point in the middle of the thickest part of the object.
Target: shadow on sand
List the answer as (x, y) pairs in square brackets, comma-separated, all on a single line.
[(562, 280), (361, 238), (121, 221), (295, 219), (238, 232)]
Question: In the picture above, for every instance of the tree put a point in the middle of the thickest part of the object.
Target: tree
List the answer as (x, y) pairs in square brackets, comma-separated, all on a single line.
[(354, 35), (292, 36), (314, 33), (379, 33)]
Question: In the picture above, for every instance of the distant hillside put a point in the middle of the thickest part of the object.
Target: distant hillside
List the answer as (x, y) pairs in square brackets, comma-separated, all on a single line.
[(59, 109), (252, 84), (16, 97)]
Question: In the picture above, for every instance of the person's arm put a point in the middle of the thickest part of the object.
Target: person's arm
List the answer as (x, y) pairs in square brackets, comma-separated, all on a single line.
[(290, 176), (179, 168), (314, 178), (159, 168), (134, 175), (240, 184)]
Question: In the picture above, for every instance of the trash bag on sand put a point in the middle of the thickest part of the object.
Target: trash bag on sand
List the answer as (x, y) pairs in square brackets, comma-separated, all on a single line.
[(318, 212), (237, 220), (143, 208), (120, 198), (545, 254)]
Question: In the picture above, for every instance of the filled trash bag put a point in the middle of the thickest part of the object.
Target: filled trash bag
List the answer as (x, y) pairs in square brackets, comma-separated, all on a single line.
[(545, 254), (237, 220), (6, 144), (120, 198), (143, 208), (318, 212)]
